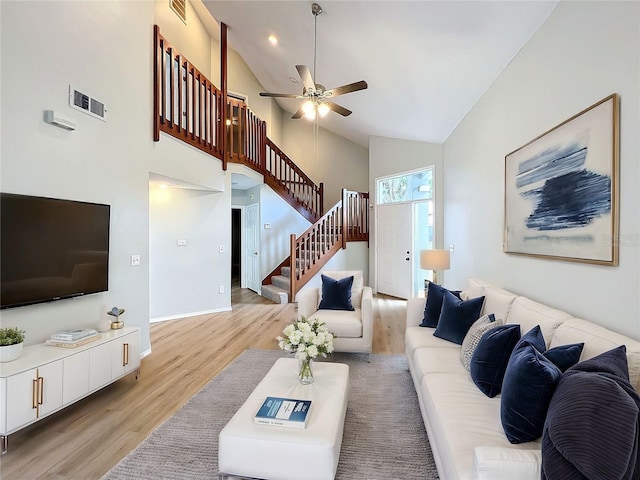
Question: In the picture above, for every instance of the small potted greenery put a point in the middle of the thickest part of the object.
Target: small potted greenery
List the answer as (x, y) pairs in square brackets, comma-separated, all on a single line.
[(11, 342)]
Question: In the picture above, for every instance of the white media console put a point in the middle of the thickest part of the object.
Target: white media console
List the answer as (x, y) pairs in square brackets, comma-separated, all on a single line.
[(46, 379)]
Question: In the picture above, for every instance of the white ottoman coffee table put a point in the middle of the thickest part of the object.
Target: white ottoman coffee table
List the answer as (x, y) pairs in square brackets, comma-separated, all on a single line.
[(247, 449)]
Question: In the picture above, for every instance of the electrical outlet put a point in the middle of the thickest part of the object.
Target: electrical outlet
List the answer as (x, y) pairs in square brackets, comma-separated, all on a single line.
[(135, 260), (451, 248), (182, 243), (221, 289), (221, 250)]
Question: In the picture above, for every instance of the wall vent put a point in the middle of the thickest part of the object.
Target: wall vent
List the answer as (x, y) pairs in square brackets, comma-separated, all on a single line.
[(85, 103), (180, 7)]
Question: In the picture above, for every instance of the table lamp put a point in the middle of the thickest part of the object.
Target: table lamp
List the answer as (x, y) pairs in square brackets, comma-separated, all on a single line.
[(434, 260)]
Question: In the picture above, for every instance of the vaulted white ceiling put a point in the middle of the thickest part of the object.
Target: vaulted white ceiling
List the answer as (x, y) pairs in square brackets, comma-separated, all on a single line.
[(426, 62)]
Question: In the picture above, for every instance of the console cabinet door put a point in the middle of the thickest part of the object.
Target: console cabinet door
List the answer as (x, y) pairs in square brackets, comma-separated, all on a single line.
[(100, 365), (33, 394), (75, 377), (126, 354)]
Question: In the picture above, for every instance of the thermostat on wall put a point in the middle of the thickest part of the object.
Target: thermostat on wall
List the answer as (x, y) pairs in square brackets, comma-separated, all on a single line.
[(59, 120)]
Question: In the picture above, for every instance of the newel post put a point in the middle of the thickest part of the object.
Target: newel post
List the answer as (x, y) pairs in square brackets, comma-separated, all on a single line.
[(222, 126)]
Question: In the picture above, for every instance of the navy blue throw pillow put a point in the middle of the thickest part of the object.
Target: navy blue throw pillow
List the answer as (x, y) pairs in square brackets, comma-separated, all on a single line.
[(565, 356), (529, 383), (491, 356), (532, 337), (336, 294), (433, 306), (457, 316)]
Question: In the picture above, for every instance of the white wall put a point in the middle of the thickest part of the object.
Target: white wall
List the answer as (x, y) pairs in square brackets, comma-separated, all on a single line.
[(389, 156), (45, 47), (275, 244), (185, 280), (583, 53), (340, 163)]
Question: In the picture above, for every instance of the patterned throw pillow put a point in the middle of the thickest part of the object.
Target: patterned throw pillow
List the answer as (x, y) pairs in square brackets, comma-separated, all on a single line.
[(473, 336)]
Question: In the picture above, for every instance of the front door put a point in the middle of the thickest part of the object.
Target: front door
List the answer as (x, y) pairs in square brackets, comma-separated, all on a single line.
[(252, 252), (395, 255)]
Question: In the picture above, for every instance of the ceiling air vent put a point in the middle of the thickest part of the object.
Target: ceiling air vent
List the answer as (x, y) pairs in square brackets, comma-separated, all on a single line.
[(85, 103), (180, 7)]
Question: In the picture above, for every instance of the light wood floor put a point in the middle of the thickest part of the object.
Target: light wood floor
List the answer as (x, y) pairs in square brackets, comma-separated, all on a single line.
[(88, 438)]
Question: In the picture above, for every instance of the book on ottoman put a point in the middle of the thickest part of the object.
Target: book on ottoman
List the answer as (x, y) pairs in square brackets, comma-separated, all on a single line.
[(284, 412)]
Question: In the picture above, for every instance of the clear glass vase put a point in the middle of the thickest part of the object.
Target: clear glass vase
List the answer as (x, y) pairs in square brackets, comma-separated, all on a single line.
[(305, 371)]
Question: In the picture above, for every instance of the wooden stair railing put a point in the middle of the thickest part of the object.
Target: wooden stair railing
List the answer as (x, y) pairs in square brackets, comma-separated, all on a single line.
[(190, 108), (347, 221), (186, 104)]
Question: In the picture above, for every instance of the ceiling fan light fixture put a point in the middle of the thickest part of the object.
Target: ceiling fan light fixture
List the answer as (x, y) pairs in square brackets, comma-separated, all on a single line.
[(323, 109), (308, 106), (311, 114)]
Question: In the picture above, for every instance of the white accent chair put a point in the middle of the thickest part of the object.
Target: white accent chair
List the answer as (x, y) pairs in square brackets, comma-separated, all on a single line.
[(352, 330)]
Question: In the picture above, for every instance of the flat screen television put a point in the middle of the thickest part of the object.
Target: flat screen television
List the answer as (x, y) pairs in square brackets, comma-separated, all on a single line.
[(51, 249)]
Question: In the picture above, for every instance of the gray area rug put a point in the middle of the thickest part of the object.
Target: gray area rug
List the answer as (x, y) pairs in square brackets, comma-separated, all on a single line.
[(384, 436)]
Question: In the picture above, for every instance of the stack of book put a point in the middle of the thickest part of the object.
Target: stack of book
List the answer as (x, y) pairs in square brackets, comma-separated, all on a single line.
[(73, 338)]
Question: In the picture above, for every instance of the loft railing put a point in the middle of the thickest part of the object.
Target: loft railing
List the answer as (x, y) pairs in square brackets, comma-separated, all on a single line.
[(347, 221), (189, 107)]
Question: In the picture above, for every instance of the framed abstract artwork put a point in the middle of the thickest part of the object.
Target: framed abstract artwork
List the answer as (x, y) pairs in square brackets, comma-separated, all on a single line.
[(561, 190)]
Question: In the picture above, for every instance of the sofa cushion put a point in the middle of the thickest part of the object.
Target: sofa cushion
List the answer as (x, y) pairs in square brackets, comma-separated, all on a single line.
[(433, 306), (529, 383), (342, 323), (490, 359), (419, 337), (457, 316), (598, 340), (461, 418), (437, 360), (497, 301), (594, 415), (473, 336), (336, 294), (528, 314)]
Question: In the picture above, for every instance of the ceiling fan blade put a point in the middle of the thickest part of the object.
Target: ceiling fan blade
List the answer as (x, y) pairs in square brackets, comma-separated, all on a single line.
[(352, 87), (305, 76), (280, 95), (299, 113), (338, 109)]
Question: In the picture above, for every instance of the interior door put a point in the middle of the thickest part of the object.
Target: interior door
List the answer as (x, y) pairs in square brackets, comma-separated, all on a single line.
[(394, 255), (252, 252)]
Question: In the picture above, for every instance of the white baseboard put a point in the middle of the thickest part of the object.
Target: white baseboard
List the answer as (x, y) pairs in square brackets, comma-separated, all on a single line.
[(190, 314)]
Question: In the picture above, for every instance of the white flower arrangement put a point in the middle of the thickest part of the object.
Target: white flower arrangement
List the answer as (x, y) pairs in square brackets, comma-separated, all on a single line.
[(307, 339)]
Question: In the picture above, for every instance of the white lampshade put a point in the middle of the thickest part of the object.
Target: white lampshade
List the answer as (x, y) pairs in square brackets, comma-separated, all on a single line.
[(435, 259)]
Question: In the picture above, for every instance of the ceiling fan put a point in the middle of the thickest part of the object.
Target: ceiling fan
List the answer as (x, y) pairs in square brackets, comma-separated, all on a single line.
[(317, 97)]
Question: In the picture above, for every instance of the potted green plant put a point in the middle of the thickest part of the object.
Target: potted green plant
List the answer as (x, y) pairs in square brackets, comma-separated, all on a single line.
[(11, 342)]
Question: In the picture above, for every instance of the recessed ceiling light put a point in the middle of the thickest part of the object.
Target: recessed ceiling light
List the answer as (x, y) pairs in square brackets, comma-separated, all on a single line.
[(273, 40)]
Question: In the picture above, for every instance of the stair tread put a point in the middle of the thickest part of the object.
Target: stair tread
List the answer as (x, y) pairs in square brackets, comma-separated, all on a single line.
[(275, 294), (281, 281)]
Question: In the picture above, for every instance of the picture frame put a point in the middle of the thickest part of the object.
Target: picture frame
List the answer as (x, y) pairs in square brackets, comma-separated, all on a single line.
[(561, 190)]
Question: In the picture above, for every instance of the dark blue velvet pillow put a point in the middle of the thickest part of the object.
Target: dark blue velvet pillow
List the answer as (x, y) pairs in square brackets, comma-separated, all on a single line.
[(457, 316), (529, 383), (565, 356), (532, 337), (491, 356), (336, 294), (433, 306)]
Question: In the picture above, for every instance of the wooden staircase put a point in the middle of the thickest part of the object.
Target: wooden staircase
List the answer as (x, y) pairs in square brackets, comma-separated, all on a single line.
[(190, 108)]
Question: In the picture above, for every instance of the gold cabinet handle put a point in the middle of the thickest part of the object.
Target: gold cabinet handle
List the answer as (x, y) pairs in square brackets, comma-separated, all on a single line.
[(125, 354), (40, 390), (34, 393)]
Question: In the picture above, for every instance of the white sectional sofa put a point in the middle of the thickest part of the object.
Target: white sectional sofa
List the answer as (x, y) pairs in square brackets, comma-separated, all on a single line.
[(463, 424)]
